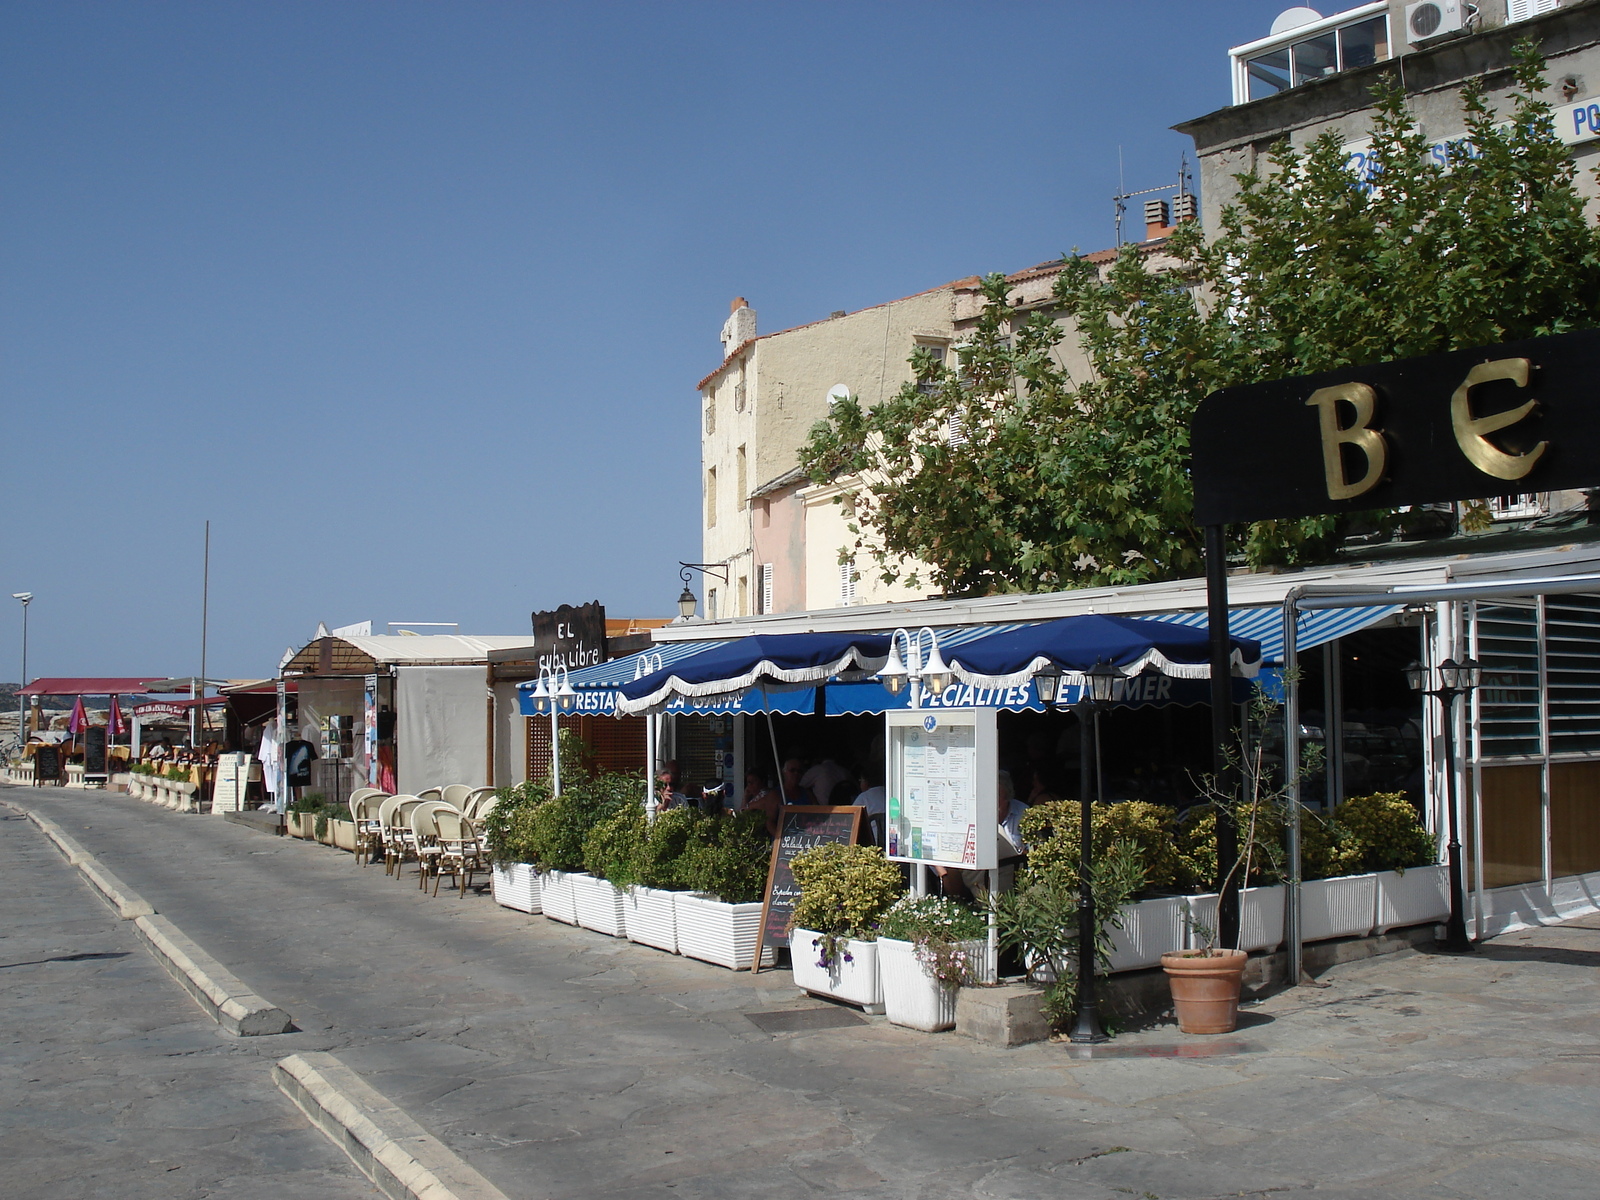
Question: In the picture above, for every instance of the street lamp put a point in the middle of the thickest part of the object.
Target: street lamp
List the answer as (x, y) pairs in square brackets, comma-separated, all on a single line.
[(923, 669), (1455, 680), (22, 701), (555, 698), (686, 598), (1101, 680)]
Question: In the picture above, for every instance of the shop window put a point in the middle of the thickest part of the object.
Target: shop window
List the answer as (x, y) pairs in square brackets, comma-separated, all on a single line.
[(1508, 698), (1572, 672)]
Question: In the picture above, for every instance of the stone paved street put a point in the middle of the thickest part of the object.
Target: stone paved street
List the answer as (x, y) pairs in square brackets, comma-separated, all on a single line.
[(565, 1064), (115, 1084)]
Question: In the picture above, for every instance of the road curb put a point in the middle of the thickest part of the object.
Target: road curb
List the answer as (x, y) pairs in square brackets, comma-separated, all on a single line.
[(216, 989), (398, 1155)]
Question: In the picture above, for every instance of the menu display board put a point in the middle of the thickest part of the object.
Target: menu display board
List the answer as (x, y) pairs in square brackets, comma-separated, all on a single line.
[(232, 779), (805, 827), (943, 772)]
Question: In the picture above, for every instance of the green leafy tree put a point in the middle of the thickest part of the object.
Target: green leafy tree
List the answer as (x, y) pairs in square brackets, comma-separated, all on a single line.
[(1006, 473)]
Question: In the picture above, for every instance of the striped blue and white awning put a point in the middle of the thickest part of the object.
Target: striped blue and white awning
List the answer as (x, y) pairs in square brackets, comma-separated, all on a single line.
[(1314, 628)]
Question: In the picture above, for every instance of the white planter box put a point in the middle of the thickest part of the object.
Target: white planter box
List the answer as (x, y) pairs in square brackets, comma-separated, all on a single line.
[(1260, 918), (1421, 895), (911, 995), (853, 979), (516, 885), (556, 898), (1343, 906), (724, 934), (650, 917), (1150, 929), (599, 904)]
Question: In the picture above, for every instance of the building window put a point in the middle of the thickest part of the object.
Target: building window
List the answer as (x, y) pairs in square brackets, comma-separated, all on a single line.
[(1508, 697), (847, 582), (1521, 10), (711, 604), (939, 350), (765, 596), (1522, 506), (744, 595), (1314, 51), (742, 477), (711, 412), (711, 498)]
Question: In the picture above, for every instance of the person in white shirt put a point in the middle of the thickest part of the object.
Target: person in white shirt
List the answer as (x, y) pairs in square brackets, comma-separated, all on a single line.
[(821, 779)]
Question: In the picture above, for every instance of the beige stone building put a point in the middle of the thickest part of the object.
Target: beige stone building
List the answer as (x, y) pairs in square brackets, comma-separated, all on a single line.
[(785, 543)]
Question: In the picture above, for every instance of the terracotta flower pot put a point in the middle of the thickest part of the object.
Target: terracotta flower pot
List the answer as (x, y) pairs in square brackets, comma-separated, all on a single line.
[(1205, 990)]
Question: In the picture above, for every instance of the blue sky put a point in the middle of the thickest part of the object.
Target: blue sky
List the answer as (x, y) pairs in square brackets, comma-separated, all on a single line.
[(409, 299)]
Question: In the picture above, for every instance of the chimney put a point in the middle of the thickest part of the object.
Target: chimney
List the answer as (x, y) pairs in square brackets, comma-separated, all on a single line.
[(1185, 207), (1157, 221), (740, 326)]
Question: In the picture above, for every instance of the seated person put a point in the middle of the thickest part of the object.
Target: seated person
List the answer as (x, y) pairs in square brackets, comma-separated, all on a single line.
[(822, 779), (794, 788), (759, 797), (874, 797)]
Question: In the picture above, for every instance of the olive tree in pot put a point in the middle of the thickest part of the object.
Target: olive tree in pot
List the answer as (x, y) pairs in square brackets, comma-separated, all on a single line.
[(1206, 980), (844, 893)]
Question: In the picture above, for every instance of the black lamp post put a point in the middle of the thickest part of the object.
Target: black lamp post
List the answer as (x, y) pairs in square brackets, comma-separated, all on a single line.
[(1086, 1027), (1455, 680)]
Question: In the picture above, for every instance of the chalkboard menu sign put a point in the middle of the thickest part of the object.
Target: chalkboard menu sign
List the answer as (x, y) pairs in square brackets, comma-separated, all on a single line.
[(46, 763), (94, 750), (804, 827)]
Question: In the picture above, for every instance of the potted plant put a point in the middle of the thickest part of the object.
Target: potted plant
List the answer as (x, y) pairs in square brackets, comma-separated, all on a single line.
[(725, 866), (508, 837), (559, 828), (1206, 980), (844, 893), (928, 948), (651, 903), (1038, 917), (609, 854)]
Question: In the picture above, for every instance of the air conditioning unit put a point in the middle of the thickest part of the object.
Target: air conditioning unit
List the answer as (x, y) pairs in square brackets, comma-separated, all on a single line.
[(1431, 19)]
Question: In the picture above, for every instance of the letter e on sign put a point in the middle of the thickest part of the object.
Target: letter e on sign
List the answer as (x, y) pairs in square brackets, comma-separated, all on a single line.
[(1358, 433), (1470, 431)]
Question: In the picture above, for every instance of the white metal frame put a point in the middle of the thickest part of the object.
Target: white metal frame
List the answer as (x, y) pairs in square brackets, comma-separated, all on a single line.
[(1278, 41)]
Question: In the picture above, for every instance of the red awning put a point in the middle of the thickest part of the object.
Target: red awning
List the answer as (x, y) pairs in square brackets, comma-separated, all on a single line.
[(90, 687), (170, 707)]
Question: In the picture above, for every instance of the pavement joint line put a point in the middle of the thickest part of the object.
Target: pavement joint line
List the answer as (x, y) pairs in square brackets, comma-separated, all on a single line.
[(401, 1158), (217, 990)]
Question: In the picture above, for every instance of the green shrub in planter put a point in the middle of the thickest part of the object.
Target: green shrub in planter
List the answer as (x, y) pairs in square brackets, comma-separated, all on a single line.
[(1387, 832), (559, 827), (1051, 833), (508, 829), (936, 925), (659, 858), (1197, 845), (844, 892), (611, 851), (728, 857)]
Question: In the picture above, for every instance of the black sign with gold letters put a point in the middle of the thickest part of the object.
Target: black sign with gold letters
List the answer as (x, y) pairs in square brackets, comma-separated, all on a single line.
[(1501, 420)]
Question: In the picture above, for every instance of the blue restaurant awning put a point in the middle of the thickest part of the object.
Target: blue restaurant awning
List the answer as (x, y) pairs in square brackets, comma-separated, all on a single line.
[(1314, 628), (773, 663), (597, 687)]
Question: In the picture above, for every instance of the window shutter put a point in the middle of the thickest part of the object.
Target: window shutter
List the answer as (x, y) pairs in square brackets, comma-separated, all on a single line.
[(766, 587), (847, 582)]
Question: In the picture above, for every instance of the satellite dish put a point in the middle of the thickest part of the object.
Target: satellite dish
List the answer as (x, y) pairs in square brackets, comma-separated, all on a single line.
[(1293, 18), (838, 392)]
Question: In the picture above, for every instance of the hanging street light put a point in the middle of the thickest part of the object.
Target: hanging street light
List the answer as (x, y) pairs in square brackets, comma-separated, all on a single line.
[(1455, 680), (687, 601)]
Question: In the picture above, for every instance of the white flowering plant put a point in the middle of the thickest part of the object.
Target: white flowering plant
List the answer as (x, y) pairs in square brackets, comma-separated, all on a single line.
[(942, 931)]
